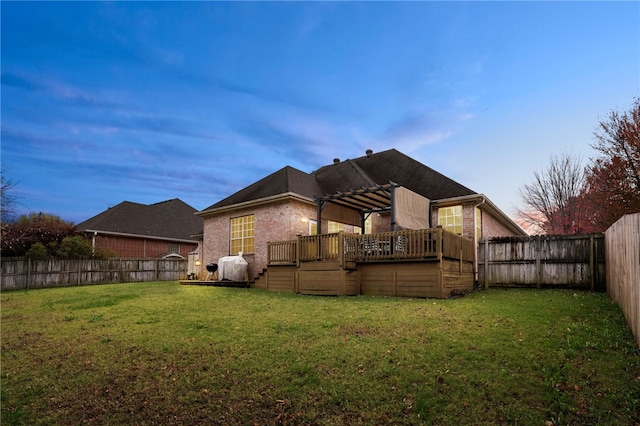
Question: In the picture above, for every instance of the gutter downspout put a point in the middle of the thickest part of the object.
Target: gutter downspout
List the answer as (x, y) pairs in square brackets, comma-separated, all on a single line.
[(93, 242), (475, 241)]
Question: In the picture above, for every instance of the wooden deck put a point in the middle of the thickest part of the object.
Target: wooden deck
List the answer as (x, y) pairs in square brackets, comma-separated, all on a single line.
[(410, 263)]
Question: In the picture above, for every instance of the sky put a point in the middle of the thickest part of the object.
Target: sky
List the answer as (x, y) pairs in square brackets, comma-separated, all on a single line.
[(105, 102)]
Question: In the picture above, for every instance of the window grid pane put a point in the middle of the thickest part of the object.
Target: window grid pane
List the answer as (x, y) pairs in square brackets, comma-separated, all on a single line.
[(243, 234), (450, 218)]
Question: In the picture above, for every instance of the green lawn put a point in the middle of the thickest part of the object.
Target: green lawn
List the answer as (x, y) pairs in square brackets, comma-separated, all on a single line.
[(162, 353)]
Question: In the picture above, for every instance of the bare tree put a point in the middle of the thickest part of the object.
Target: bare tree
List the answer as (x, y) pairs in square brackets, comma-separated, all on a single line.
[(552, 200), (8, 199)]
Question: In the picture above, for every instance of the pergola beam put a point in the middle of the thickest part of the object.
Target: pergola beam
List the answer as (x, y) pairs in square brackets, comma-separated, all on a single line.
[(365, 200)]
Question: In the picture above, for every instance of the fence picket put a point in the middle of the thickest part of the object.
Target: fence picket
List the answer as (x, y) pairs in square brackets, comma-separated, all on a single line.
[(543, 261), (18, 274), (622, 247)]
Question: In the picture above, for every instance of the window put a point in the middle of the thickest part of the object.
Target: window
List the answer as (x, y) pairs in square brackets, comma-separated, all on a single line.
[(243, 234), (478, 224), (450, 218), (367, 227), (174, 248), (335, 227), (313, 227)]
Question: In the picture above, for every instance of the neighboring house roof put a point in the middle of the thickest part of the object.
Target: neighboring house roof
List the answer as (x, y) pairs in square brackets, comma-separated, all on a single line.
[(170, 220)]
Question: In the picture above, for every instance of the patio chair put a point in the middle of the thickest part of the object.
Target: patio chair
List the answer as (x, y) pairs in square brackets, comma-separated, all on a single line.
[(401, 244)]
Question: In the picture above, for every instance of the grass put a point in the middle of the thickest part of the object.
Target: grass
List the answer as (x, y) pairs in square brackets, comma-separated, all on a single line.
[(162, 353)]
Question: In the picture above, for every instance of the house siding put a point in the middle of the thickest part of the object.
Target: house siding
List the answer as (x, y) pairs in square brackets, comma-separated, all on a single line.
[(139, 247), (279, 221), (491, 227)]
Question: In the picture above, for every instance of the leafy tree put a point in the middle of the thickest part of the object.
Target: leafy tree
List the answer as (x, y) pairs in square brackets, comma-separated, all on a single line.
[(47, 229), (553, 200), (613, 180)]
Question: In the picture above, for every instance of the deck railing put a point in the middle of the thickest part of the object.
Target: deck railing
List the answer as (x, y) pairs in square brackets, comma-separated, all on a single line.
[(386, 246)]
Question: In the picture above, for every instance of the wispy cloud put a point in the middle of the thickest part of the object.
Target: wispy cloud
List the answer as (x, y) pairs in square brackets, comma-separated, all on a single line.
[(49, 87)]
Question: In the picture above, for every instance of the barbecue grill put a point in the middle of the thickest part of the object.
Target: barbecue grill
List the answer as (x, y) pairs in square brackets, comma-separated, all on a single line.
[(211, 270)]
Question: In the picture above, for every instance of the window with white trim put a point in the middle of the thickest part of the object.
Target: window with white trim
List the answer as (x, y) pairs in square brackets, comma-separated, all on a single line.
[(450, 218), (243, 234)]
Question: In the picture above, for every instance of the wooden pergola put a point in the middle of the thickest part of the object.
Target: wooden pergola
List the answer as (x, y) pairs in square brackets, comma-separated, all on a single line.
[(364, 201), (403, 205)]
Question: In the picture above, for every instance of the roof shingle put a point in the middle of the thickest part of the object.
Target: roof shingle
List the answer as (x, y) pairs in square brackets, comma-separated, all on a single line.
[(172, 219), (363, 172)]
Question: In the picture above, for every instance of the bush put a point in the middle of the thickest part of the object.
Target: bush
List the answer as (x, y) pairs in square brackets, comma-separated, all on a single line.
[(75, 247), (37, 251)]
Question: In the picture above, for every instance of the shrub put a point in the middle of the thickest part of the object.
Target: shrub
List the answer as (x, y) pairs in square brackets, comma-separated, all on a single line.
[(75, 247), (37, 251)]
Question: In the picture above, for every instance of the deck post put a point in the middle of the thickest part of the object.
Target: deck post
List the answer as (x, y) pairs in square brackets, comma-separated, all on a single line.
[(341, 249), (439, 245)]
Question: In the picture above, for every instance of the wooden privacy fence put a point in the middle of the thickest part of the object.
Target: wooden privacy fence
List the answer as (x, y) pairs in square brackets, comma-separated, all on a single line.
[(622, 246), (575, 261), (27, 273)]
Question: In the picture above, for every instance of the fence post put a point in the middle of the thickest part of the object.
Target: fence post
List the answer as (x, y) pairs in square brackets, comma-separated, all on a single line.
[(155, 272), (486, 263), (538, 263), (28, 273), (591, 263)]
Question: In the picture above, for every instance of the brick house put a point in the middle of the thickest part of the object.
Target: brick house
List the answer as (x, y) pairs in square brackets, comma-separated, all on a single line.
[(134, 230), (290, 203)]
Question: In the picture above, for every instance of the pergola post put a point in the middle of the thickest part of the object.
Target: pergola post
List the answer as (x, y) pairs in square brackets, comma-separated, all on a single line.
[(319, 215), (393, 208)]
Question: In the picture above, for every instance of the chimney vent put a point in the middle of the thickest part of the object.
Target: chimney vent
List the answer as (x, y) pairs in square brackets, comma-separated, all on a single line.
[(369, 152), (336, 160)]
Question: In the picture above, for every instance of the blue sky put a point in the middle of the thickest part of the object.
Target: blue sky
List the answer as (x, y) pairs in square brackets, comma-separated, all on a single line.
[(104, 102)]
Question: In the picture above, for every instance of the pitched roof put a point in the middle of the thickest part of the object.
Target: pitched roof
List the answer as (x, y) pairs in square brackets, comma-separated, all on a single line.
[(171, 219), (363, 172), (388, 166), (285, 180)]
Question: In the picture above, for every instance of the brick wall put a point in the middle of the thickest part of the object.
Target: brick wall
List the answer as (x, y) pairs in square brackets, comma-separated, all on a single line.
[(492, 228), (273, 222), (140, 247), (285, 220)]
